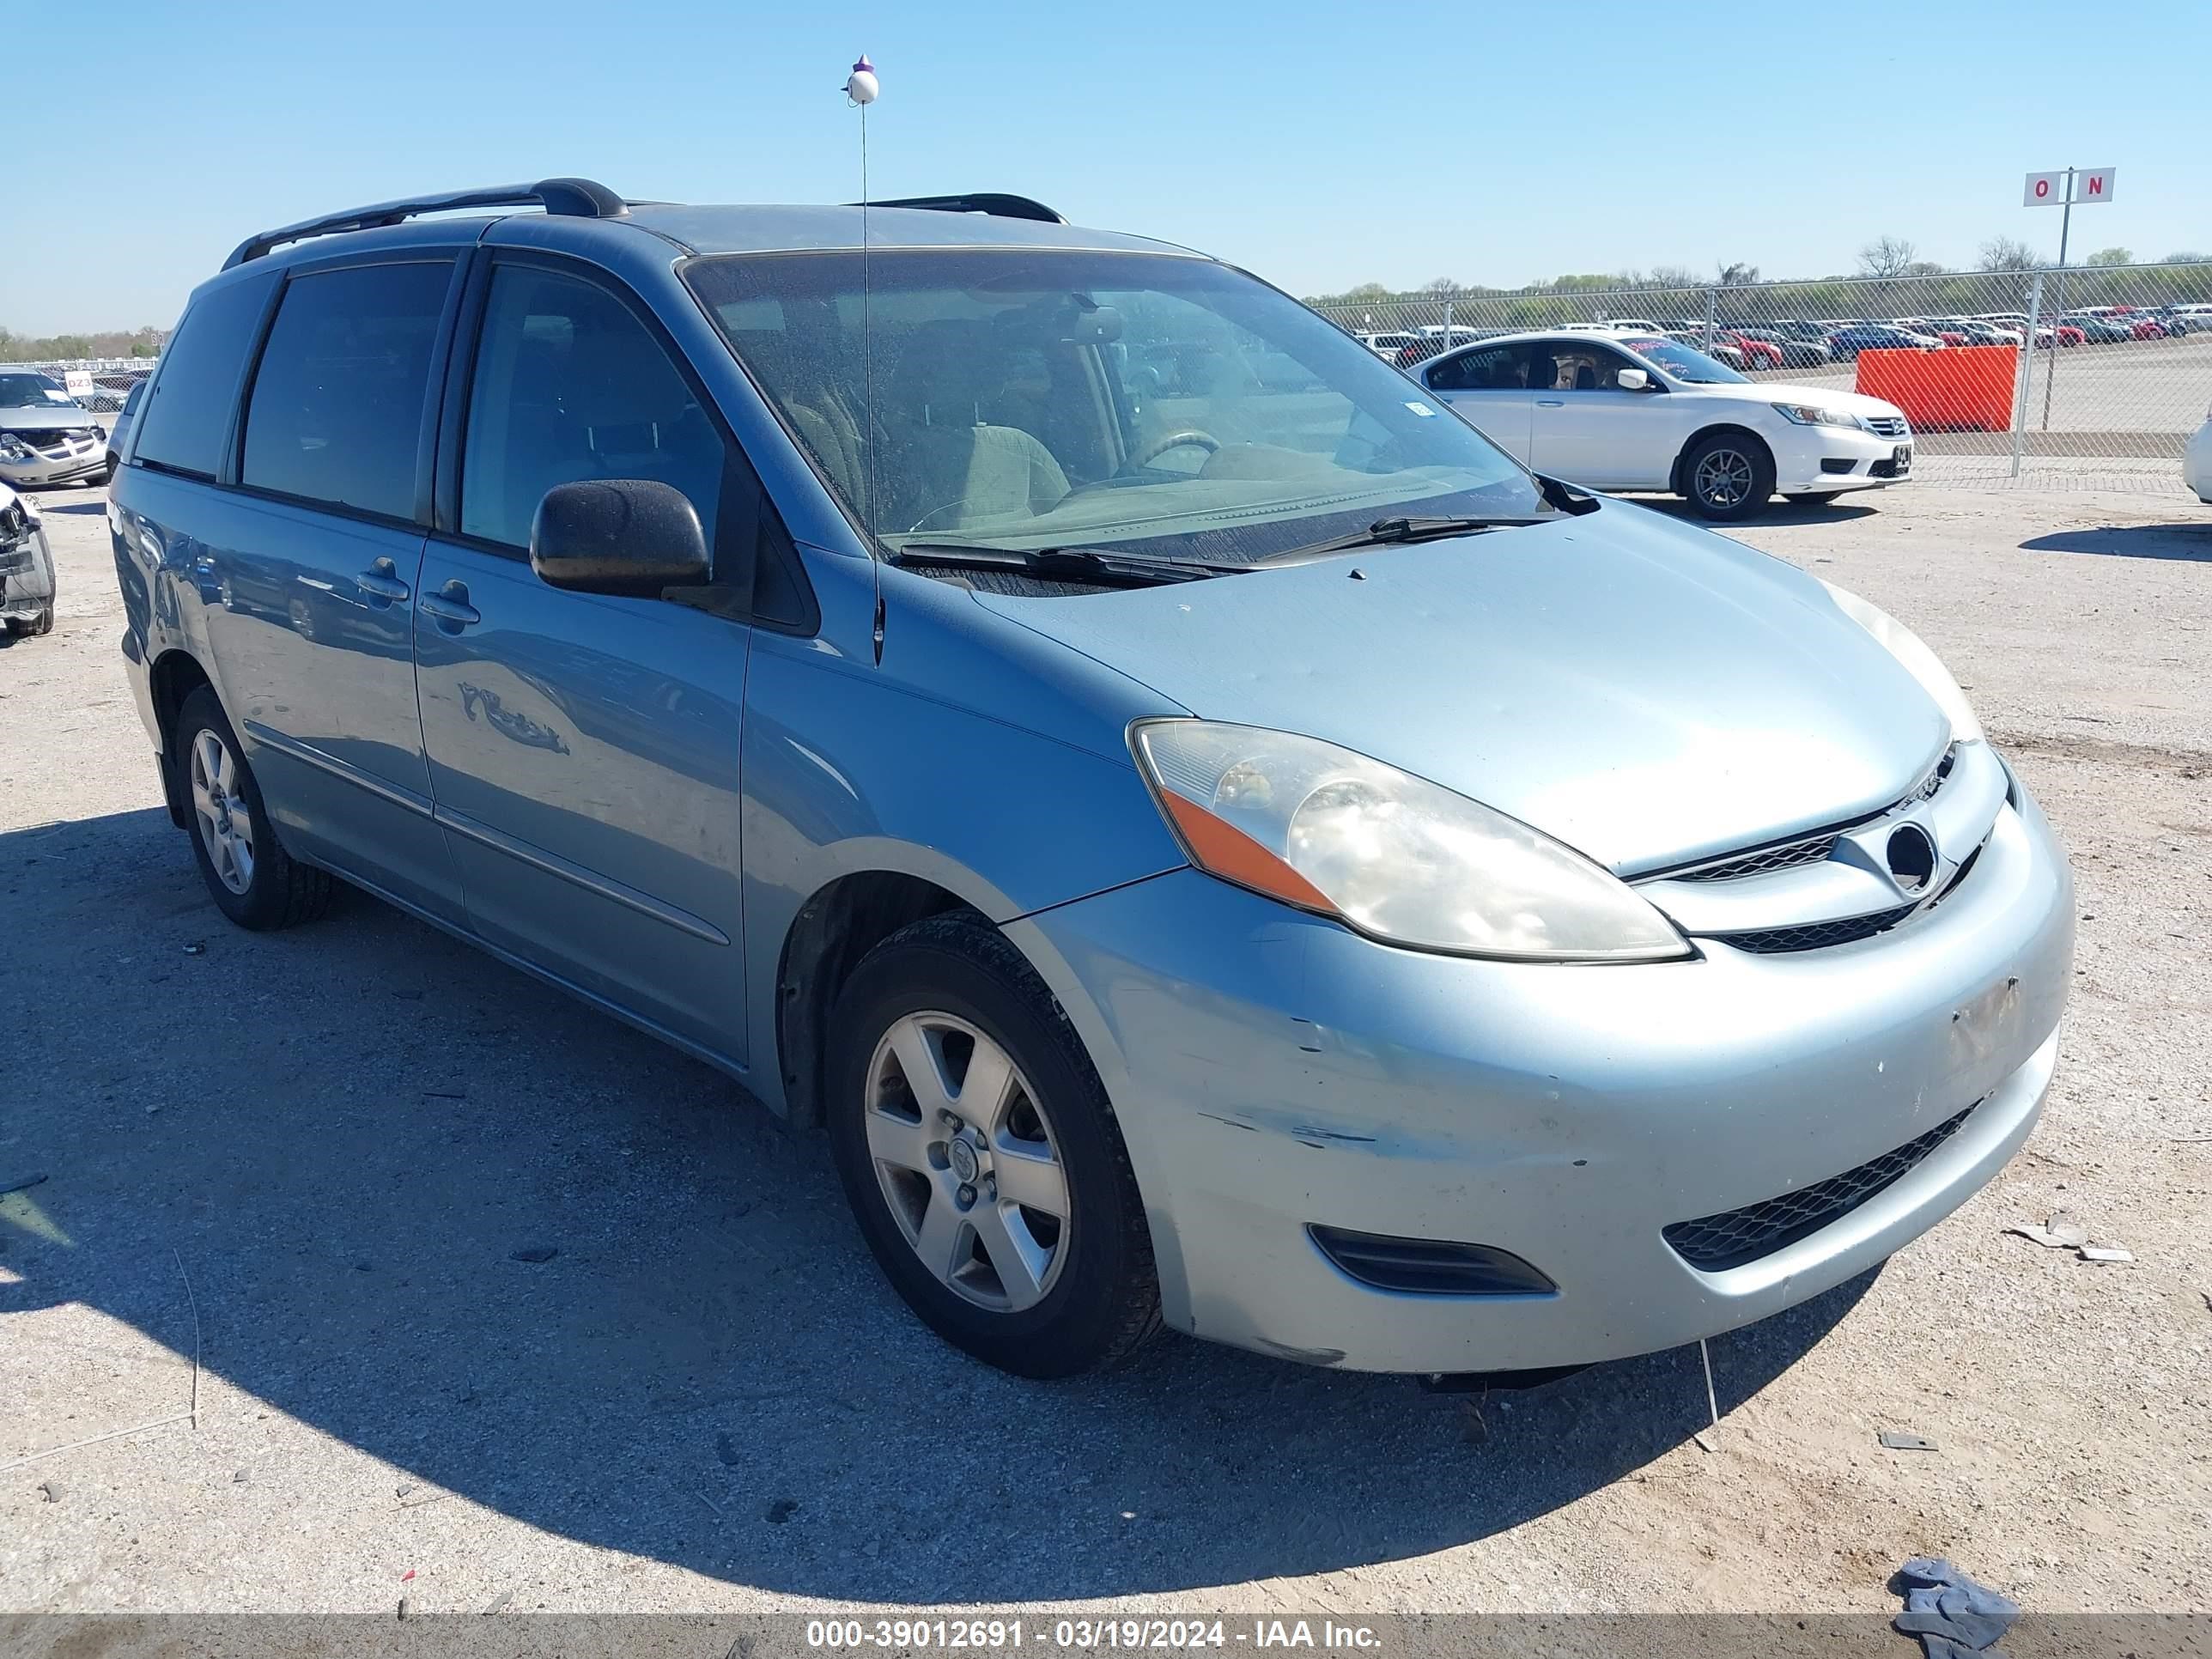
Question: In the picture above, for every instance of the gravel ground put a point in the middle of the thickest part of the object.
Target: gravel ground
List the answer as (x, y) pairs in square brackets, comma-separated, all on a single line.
[(310, 1160)]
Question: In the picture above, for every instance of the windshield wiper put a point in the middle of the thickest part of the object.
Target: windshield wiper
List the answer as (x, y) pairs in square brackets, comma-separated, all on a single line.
[(1385, 533), (1074, 564)]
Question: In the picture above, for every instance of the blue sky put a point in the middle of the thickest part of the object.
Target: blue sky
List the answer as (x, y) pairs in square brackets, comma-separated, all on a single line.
[(1319, 145)]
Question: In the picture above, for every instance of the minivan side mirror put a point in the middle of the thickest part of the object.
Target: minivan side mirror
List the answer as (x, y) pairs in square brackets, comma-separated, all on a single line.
[(1632, 379), (631, 537)]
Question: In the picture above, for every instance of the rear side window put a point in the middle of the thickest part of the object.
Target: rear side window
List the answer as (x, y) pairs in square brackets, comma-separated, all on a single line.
[(1498, 369), (188, 416), (335, 414)]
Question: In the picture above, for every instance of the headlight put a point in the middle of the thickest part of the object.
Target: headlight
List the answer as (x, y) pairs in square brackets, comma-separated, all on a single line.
[(1911, 650), (13, 447), (1814, 415), (1389, 854)]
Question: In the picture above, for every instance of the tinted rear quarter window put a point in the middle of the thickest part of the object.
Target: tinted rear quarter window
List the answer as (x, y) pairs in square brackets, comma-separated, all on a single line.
[(335, 414), (187, 416)]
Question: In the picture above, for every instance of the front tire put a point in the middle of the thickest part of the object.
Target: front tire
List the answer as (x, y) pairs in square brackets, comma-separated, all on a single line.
[(252, 879), (982, 1158), (32, 627), (1726, 475)]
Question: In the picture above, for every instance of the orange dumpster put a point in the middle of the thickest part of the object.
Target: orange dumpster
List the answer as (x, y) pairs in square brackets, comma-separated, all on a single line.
[(1958, 389)]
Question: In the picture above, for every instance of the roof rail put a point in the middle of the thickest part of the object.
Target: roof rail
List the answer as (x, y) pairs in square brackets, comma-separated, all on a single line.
[(580, 199), (997, 204)]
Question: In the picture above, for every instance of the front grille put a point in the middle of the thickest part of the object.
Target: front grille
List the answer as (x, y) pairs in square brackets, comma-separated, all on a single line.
[(1887, 426), (1785, 855), (1810, 849), (1817, 935), (51, 441), (1714, 1244)]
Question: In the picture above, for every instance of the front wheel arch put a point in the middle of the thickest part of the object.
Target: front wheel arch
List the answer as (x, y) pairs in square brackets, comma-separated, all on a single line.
[(1756, 450), (1717, 428)]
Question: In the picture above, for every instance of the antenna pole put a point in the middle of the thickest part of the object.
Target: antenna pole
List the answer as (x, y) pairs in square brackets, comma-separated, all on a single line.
[(861, 88)]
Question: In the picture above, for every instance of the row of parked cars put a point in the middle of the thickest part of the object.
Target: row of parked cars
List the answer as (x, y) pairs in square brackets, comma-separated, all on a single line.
[(1792, 342)]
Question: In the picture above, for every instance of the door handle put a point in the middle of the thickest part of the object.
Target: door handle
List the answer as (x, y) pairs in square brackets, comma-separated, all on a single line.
[(381, 580), (1551, 402), (450, 606)]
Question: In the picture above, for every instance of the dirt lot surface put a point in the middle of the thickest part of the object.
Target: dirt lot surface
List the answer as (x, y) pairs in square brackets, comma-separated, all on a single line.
[(341, 1137)]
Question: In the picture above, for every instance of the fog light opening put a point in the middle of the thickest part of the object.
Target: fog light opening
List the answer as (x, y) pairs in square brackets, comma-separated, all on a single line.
[(1430, 1266)]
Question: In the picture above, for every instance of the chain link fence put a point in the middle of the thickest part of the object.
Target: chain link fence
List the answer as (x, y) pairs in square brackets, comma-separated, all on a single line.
[(112, 377), (2118, 375)]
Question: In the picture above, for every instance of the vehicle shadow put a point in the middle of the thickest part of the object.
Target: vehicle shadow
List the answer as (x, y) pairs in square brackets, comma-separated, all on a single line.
[(2186, 542), (353, 1133), (92, 509), (1776, 512)]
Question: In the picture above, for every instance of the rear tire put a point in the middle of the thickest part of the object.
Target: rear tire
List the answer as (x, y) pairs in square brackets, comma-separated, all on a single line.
[(252, 879), (932, 1175), (31, 628), (1726, 475)]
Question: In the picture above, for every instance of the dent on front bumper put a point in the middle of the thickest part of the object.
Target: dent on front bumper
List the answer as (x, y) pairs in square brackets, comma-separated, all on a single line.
[(1273, 1071)]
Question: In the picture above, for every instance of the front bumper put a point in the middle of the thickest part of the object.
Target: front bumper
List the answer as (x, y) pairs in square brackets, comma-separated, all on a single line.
[(2196, 463), (1820, 458), (1272, 1071), (84, 459)]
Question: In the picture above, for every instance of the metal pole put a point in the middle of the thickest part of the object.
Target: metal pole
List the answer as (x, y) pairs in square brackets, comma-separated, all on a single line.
[(2058, 313), (2027, 370), (1447, 344), (1712, 300)]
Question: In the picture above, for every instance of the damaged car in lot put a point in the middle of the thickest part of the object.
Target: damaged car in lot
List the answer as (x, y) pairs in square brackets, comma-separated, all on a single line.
[(1253, 858), (26, 566), (46, 436)]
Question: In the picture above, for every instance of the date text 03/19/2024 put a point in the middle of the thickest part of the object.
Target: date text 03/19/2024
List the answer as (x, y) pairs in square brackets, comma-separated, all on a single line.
[(986, 1635)]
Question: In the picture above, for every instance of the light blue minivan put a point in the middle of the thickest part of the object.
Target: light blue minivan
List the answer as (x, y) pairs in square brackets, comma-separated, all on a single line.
[(1212, 840)]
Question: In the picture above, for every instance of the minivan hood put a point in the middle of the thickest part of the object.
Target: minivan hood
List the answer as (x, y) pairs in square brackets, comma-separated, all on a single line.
[(43, 417), (1645, 691)]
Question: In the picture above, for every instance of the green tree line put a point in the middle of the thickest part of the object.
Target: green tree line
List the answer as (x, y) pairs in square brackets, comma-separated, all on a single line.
[(106, 342)]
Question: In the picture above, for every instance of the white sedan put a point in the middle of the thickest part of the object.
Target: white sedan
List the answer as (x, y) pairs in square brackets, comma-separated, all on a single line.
[(2196, 463), (1630, 411)]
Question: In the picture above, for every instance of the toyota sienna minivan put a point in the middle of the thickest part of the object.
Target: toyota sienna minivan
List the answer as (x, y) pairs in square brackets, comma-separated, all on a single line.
[(1225, 850)]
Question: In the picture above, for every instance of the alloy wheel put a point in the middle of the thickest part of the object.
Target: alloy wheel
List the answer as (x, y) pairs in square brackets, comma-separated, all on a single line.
[(1723, 477), (225, 822), (966, 1161)]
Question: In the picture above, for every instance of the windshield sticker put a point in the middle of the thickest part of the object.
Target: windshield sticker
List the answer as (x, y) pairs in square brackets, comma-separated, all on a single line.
[(1421, 409)]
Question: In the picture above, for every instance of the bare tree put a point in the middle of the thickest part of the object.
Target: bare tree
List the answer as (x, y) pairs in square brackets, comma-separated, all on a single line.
[(2006, 253), (1675, 277), (1444, 286), (1886, 256), (1738, 272)]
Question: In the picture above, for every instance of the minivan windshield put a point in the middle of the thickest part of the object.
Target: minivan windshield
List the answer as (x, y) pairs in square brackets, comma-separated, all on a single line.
[(1159, 405)]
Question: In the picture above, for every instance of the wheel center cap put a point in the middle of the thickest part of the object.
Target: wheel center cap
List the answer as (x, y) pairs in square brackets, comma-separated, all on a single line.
[(962, 1157)]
